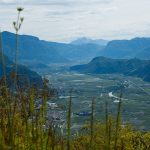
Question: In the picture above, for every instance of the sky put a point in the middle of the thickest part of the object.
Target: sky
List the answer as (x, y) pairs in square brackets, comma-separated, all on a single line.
[(66, 20)]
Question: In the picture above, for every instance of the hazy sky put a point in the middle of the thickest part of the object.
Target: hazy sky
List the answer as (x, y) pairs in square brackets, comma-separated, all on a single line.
[(65, 20)]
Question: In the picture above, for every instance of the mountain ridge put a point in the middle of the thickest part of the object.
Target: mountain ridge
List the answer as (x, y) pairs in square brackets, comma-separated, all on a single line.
[(129, 67), (125, 48)]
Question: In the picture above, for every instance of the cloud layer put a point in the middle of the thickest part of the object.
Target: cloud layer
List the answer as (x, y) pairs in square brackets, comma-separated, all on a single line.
[(69, 19)]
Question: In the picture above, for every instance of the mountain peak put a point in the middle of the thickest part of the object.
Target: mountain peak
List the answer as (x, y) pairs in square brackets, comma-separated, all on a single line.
[(85, 40)]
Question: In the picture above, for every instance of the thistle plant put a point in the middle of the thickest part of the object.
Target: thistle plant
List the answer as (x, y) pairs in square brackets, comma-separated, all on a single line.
[(17, 26)]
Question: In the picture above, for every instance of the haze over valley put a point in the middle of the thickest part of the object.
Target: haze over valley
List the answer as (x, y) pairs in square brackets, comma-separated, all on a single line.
[(92, 68)]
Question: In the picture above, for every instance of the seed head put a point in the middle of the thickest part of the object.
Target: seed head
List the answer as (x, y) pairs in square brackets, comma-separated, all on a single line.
[(14, 23), (19, 9), (21, 19)]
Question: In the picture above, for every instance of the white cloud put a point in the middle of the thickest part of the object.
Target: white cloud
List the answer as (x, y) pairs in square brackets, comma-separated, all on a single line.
[(57, 2)]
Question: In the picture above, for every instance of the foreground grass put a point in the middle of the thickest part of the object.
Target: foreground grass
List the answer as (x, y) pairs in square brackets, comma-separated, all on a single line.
[(24, 127)]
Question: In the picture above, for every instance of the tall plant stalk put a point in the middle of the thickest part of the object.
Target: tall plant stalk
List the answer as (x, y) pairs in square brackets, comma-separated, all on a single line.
[(92, 124), (2, 58), (17, 26), (118, 120), (69, 122), (107, 126), (106, 117)]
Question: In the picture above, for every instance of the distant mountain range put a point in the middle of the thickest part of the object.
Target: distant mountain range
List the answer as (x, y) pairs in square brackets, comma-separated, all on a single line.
[(33, 49), (137, 47), (84, 40), (129, 67)]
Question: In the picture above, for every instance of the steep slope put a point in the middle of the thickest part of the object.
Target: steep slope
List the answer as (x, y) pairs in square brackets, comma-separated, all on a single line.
[(24, 74), (30, 48), (102, 65)]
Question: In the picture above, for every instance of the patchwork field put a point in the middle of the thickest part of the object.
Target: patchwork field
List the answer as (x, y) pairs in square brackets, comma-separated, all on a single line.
[(102, 88)]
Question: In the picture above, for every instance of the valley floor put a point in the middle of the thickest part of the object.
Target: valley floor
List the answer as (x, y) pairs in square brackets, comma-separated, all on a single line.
[(102, 88)]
